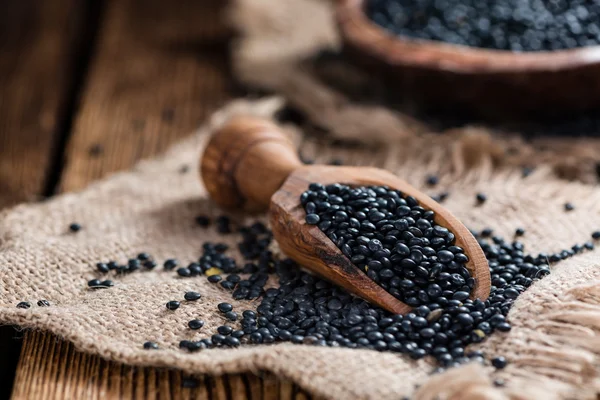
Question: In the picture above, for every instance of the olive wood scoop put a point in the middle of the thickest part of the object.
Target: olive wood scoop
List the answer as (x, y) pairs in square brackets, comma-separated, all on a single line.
[(250, 164)]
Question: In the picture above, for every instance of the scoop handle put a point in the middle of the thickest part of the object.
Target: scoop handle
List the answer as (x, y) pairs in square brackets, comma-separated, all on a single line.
[(245, 162)]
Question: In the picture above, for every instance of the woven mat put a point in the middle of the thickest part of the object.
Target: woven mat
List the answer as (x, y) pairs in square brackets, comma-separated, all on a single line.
[(553, 348)]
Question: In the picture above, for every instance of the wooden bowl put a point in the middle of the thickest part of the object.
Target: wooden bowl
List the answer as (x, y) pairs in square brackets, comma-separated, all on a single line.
[(488, 82)]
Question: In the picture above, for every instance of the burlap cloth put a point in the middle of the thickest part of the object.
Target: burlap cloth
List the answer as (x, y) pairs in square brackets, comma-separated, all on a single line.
[(553, 348)]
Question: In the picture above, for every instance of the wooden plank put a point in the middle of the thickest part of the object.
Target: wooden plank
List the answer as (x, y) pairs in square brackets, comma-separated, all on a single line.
[(52, 369), (159, 71), (37, 65), (40, 44)]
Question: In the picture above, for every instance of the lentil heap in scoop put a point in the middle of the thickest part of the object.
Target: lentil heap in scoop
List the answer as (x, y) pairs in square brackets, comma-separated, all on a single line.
[(393, 240), (517, 25)]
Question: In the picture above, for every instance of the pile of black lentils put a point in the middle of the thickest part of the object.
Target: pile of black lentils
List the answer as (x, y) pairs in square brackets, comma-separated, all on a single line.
[(516, 25), (393, 240), (305, 309)]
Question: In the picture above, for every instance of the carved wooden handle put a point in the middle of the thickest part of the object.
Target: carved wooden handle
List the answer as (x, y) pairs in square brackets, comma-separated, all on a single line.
[(246, 162)]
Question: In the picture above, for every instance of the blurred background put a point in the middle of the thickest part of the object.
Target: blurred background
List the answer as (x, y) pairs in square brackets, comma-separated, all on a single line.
[(90, 87)]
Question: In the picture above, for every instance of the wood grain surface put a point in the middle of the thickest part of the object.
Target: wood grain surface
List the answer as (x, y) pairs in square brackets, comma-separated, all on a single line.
[(158, 70), (39, 47), (36, 72), (52, 369)]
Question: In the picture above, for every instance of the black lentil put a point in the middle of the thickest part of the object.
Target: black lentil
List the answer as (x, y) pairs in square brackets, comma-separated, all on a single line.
[(173, 305), (192, 296), (232, 341), (224, 330), (203, 220), (392, 239), (515, 25), (227, 285), (170, 264), (196, 324), (107, 283), (481, 198), (432, 180), (596, 235), (569, 207), (150, 346), (24, 305), (519, 232), (102, 267), (312, 219), (499, 362), (184, 272), (43, 303), (94, 282), (214, 278), (223, 224), (526, 171), (190, 383), (231, 315), (74, 227), (224, 307)]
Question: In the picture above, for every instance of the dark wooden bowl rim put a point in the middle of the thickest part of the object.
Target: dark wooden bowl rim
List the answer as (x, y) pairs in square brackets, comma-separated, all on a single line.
[(359, 31)]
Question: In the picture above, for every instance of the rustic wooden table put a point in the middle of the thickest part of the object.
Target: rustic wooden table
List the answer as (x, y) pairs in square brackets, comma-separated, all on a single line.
[(88, 88)]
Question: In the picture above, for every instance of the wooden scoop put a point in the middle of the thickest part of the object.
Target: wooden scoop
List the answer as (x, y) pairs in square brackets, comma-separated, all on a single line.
[(250, 164)]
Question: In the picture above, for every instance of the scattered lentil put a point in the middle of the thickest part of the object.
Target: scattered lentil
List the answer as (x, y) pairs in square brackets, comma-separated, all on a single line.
[(596, 235), (43, 303), (24, 305), (224, 307), (94, 282), (102, 267), (203, 220), (231, 315), (173, 305), (150, 346), (190, 383), (192, 296), (432, 180), (214, 278), (223, 224), (519, 232), (526, 171), (224, 330), (74, 227), (569, 207), (499, 362), (196, 324), (170, 264), (481, 198)]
